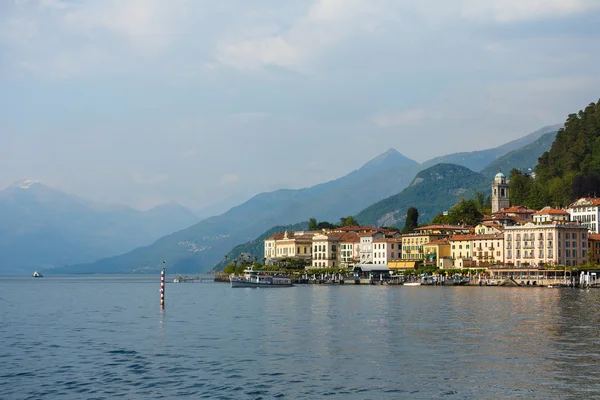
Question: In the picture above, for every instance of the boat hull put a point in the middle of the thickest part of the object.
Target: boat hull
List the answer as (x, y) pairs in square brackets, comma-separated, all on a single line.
[(412, 284), (239, 283)]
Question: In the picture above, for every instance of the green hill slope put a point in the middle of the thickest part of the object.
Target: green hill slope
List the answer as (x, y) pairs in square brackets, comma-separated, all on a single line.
[(522, 159), (433, 190), (255, 248)]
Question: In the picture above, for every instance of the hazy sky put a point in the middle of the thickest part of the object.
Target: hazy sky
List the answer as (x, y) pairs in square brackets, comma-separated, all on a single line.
[(143, 101)]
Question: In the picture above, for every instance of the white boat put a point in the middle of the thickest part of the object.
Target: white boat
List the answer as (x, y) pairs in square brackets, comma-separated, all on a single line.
[(37, 274), (266, 281), (412, 283)]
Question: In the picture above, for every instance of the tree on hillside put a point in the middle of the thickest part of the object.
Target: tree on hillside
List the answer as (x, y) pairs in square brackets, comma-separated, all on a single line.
[(412, 220), (325, 225), (348, 221), (571, 168), (312, 224), (520, 187), (465, 212)]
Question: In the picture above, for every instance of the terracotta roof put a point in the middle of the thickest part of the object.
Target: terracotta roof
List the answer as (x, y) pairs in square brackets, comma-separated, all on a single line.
[(462, 237), (493, 224), (388, 240), (551, 211), (367, 234), (515, 210), (358, 228), (593, 201), (489, 236)]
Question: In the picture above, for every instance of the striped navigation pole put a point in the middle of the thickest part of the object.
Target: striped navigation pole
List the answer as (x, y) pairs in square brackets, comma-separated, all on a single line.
[(162, 286)]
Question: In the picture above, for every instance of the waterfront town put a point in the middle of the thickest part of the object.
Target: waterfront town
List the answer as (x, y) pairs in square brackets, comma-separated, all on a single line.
[(514, 241)]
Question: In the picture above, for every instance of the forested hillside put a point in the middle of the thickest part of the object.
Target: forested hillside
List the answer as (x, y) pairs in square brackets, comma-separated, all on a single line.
[(571, 169)]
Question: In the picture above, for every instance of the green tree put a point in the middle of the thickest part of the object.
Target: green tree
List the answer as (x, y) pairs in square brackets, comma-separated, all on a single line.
[(412, 220), (520, 188), (348, 221), (312, 224), (465, 212)]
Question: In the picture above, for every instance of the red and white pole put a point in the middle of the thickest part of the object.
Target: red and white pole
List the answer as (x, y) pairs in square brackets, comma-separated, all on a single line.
[(162, 288)]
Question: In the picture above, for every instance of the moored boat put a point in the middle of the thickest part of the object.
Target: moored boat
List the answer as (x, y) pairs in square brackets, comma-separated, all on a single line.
[(412, 283), (37, 274), (266, 281)]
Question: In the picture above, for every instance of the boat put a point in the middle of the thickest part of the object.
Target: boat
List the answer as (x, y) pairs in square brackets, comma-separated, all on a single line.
[(265, 281), (37, 274), (412, 283)]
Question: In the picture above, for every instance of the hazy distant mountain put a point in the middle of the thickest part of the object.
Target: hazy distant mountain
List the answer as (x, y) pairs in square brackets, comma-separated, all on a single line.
[(44, 228), (433, 190), (204, 244), (522, 159), (477, 160)]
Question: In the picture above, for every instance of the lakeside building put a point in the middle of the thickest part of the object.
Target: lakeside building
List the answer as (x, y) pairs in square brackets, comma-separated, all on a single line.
[(549, 214), (488, 249), (587, 212), (513, 215), (325, 248), (349, 249), (488, 227), (366, 245), (461, 250), (437, 253), (545, 244), (594, 248), (386, 249), (285, 245)]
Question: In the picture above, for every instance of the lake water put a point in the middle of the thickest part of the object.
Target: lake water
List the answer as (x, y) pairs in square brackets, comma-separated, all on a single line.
[(106, 337)]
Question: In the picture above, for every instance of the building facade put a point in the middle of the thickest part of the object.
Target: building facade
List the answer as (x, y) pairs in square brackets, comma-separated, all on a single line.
[(587, 212), (545, 244)]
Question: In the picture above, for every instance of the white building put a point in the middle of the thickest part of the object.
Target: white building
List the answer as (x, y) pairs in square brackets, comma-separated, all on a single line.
[(366, 246), (587, 212), (386, 249)]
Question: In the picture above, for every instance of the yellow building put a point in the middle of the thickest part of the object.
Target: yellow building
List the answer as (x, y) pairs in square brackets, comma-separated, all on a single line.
[(436, 252), (288, 245), (412, 247), (461, 250), (488, 249)]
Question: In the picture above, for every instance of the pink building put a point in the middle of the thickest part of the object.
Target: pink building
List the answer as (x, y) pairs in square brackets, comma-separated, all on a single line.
[(545, 244)]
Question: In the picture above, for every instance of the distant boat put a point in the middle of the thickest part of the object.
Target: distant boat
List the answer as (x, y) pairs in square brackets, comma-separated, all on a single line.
[(412, 283), (37, 274)]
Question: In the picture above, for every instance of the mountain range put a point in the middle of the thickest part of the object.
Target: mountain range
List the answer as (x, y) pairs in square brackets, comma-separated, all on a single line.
[(45, 228), (201, 246)]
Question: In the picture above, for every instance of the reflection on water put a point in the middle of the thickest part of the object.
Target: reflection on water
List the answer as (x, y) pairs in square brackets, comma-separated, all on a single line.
[(103, 337)]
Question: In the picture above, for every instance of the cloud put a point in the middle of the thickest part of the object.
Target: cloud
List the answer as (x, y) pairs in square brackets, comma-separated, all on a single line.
[(523, 10), (228, 179), (326, 23), (149, 180), (405, 117)]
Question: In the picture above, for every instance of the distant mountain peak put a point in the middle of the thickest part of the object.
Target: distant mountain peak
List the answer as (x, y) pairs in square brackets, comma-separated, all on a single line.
[(25, 183), (390, 158)]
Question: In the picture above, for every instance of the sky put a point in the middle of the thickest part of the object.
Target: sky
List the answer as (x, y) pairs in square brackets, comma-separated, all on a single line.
[(206, 103)]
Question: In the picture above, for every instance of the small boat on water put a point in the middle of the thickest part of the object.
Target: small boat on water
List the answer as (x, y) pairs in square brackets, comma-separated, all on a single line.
[(37, 274), (412, 283)]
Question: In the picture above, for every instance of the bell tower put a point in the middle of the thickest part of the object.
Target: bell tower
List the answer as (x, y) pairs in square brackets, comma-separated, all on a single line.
[(499, 192)]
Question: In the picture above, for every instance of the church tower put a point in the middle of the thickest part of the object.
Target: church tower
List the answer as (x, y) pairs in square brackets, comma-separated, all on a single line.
[(499, 192)]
